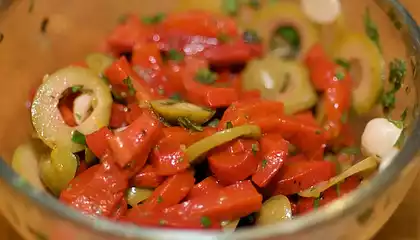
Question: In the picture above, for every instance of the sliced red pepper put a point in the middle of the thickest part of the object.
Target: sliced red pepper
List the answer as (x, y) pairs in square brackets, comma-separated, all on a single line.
[(305, 205), (120, 211), (131, 147), (234, 161), (208, 186), (118, 116), (126, 35), (274, 151), (66, 109), (232, 53), (170, 219), (190, 45), (297, 175), (173, 72), (201, 23), (168, 155), (96, 191), (170, 192), (98, 141), (244, 111), (202, 94), (232, 202), (147, 178), (306, 117)]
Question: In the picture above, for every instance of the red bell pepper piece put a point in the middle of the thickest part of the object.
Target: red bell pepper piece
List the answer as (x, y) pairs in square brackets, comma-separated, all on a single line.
[(202, 94), (274, 151), (234, 161), (208, 186), (97, 141), (168, 155), (171, 219), (306, 117), (305, 205), (120, 211), (132, 145), (133, 112), (126, 35), (297, 175), (232, 53), (118, 116), (232, 202), (201, 23), (96, 191), (170, 192), (147, 178)]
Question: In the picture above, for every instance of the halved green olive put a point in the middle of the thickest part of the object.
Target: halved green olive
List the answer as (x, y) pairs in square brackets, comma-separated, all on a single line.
[(366, 68), (25, 161), (274, 210), (135, 195), (46, 117), (281, 80), (171, 110), (98, 62), (271, 17), (58, 169)]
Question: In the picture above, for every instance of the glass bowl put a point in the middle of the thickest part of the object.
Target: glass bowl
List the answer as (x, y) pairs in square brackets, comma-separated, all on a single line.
[(40, 36)]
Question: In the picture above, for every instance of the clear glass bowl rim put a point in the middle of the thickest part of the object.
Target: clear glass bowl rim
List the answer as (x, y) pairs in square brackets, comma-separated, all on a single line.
[(314, 219)]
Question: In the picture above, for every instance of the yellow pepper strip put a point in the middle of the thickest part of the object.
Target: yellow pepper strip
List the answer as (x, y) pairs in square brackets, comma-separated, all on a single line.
[(135, 195)]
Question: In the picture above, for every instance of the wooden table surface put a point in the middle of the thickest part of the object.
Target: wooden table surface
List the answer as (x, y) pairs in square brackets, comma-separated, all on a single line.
[(404, 225)]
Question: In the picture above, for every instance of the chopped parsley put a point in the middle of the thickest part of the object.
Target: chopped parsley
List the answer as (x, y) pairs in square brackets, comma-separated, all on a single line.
[(159, 199), (255, 148), (229, 125), (131, 90), (230, 7), (350, 150), (264, 163), (404, 114), (338, 189), (205, 76), (339, 75), (397, 72), (78, 137), (44, 25), (316, 202), (78, 116), (290, 35), (401, 139), (251, 36), (158, 18), (398, 123), (76, 88), (205, 222), (214, 123), (343, 63), (223, 38), (255, 4), (371, 29), (317, 132), (162, 222), (344, 117), (394, 19), (176, 97), (175, 55)]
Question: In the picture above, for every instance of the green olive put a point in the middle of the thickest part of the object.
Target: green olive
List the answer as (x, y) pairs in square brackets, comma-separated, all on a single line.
[(274, 210), (366, 68), (58, 169), (281, 80), (25, 161), (172, 110), (287, 15), (135, 195), (46, 117), (98, 62)]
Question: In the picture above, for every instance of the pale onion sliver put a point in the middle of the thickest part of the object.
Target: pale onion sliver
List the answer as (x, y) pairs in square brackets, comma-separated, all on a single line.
[(366, 164)]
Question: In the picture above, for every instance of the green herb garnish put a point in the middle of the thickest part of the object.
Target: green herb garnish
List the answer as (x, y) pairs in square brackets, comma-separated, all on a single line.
[(230, 7), (264, 163), (175, 55), (154, 19), (176, 97), (343, 63), (339, 75), (350, 150), (251, 36), (159, 199), (76, 88), (78, 137), (213, 123), (229, 125), (186, 123), (205, 76), (404, 114), (316, 202), (371, 29), (398, 123), (131, 90), (397, 72), (223, 38), (162, 222), (290, 35), (338, 189), (344, 117), (255, 4), (255, 148), (394, 19), (205, 222)]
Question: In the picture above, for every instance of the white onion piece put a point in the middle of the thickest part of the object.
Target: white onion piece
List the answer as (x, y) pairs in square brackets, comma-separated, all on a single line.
[(321, 11), (81, 107)]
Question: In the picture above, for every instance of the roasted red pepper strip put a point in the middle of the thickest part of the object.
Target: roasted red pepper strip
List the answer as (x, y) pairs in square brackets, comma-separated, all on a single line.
[(168, 155), (202, 94), (306, 117), (305, 205), (244, 111), (201, 23), (120, 211), (297, 175), (172, 219), (147, 178), (131, 147), (98, 141), (126, 35), (170, 192), (232, 202), (308, 138), (118, 116), (274, 150), (208, 186), (96, 191), (234, 161), (232, 53), (335, 82)]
